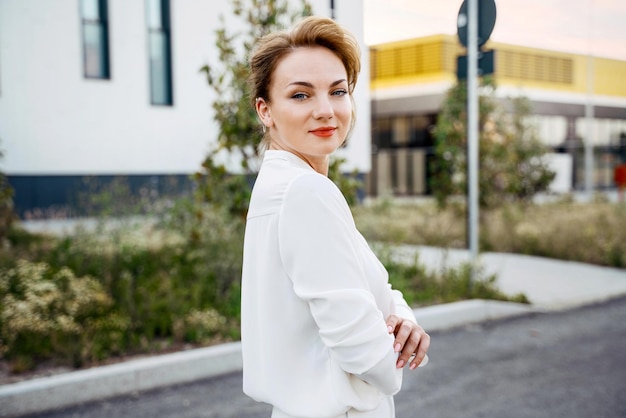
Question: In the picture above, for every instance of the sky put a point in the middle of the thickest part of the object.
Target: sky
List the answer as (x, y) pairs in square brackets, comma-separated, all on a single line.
[(596, 27)]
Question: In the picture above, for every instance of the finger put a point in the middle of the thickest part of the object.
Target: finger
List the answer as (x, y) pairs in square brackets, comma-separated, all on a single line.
[(392, 322), (409, 347), (415, 364), (420, 353), (403, 332)]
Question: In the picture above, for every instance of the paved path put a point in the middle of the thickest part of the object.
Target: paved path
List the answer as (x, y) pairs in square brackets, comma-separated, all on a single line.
[(559, 364), (549, 284)]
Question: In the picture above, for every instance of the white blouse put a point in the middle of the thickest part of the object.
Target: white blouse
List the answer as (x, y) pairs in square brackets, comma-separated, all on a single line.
[(314, 299)]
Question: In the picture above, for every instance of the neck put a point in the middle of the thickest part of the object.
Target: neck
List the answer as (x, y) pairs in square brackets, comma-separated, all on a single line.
[(320, 164)]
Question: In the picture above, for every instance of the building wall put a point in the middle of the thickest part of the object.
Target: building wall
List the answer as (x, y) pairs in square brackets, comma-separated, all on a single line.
[(357, 151), (56, 122)]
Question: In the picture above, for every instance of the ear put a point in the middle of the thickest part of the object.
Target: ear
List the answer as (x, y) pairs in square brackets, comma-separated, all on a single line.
[(263, 111)]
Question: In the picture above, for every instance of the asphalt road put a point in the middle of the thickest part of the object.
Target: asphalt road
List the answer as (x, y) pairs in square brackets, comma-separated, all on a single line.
[(567, 364)]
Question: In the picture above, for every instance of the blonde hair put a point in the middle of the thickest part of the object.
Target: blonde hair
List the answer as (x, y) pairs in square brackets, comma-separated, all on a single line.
[(313, 31)]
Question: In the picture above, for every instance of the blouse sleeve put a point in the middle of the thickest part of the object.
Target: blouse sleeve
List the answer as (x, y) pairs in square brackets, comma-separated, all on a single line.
[(317, 248), (403, 310)]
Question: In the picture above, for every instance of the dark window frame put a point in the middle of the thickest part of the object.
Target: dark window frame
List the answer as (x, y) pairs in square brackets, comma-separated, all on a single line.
[(159, 39), (101, 24)]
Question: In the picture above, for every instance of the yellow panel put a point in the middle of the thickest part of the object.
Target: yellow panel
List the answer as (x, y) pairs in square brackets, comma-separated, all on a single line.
[(407, 60), (413, 61), (609, 77), (433, 58)]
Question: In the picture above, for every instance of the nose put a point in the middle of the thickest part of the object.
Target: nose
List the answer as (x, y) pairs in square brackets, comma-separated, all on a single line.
[(323, 108)]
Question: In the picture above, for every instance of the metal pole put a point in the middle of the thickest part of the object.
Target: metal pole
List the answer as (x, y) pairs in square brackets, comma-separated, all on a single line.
[(472, 129), (589, 115)]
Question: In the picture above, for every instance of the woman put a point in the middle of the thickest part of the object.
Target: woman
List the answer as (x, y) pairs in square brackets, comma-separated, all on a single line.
[(323, 333)]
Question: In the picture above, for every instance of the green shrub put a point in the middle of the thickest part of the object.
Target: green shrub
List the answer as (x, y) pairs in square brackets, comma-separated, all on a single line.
[(422, 287), (54, 314), (158, 273), (200, 326), (7, 216)]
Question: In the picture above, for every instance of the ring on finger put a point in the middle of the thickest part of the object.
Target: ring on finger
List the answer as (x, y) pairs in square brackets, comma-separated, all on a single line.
[(424, 360)]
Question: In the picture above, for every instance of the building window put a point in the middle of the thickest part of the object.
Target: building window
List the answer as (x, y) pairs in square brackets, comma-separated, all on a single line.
[(382, 132), (160, 51), (95, 34), (421, 131)]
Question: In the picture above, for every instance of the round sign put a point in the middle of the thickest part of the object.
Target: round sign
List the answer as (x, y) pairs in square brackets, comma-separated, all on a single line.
[(486, 21)]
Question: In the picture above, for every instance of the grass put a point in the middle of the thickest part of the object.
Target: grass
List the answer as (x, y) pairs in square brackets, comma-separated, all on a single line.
[(411, 223), (424, 287), (593, 232)]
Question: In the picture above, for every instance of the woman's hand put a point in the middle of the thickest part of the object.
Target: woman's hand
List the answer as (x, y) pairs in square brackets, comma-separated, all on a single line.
[(410, 339)]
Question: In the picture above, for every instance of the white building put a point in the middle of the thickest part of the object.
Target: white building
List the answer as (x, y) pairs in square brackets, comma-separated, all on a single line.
[(105, 88)]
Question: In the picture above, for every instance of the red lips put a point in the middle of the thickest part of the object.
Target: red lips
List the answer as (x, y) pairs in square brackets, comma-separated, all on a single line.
[(324, 131)]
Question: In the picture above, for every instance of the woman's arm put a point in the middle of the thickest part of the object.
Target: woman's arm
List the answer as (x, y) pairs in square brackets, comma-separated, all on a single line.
[(318, 249)]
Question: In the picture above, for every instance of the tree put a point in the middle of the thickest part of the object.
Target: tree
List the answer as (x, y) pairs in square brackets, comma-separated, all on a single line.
[(239, 131), (511, 156), (7, 216)]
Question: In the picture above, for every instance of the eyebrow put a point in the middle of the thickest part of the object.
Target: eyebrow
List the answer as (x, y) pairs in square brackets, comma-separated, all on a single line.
[(307, 84)]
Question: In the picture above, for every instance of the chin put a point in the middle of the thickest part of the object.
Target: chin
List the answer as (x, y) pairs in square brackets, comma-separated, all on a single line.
[(329, 150)]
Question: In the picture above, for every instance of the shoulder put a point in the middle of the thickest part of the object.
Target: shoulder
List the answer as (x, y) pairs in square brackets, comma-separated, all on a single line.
[(314, 187), (313, 198)]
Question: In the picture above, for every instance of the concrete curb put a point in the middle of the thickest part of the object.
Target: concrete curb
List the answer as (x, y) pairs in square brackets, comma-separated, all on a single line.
[(450, 315), (72, 388)]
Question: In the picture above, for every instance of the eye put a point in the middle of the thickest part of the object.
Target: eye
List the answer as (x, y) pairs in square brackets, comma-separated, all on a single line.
[(339, 92), (299, 96)]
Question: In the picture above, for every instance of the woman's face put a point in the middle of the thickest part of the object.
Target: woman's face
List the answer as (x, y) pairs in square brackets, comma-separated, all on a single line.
[(309, 109)]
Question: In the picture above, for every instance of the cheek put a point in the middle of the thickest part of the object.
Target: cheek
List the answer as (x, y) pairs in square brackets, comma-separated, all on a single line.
[(289, 115), (344, 109)]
